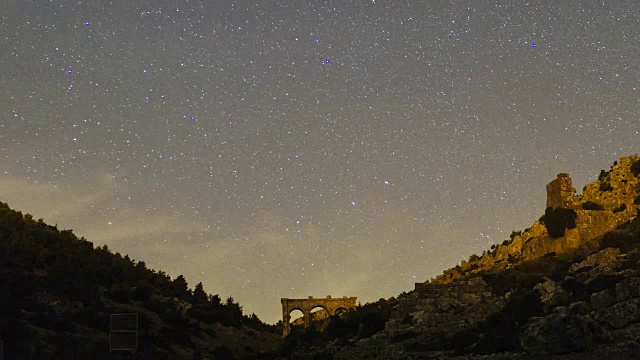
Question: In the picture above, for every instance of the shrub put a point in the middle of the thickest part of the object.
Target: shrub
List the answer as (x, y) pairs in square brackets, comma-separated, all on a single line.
[(603, 175), (622, 241), (635, 168), (605, 186), (637, 200), (222, 352), (142, 292), (505, 325), (557, 221), (603, 282), (474, 257), (514, 234), (119, 293), (372, 322), (590, 205), (620, 208)]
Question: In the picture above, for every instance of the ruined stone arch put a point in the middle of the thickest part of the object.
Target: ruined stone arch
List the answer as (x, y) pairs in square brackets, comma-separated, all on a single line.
[(331, 305)]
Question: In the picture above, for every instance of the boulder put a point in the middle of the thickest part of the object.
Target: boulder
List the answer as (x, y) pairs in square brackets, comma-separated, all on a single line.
[(551, 294), (602, 299), (628, 333), (429, 320), (620, 314), (597, 274), (560, 310), (579, 308), (606, 257), (628, 288), (556, 334)]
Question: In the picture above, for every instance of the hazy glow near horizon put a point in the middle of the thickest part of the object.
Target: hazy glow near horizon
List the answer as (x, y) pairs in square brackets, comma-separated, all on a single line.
[(283, 150)]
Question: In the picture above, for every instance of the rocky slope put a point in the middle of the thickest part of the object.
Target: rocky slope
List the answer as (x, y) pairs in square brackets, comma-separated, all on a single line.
[(603, 205), (568, 287)]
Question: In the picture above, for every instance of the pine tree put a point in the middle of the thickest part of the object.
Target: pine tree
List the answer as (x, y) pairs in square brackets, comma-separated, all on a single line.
[(199, 295), (180, 287)]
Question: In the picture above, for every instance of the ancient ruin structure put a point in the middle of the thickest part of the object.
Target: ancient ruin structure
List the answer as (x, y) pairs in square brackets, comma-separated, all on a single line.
[(459, 290), (560, 192), (331, 305)]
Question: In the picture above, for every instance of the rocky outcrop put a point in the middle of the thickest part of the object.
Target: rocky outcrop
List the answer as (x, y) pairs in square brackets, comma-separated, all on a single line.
[(557, 334), (602, 299), (443, 309), (590, 307), (607, 257), (579, 308), (620, 314), (627, 289), (552, 294)]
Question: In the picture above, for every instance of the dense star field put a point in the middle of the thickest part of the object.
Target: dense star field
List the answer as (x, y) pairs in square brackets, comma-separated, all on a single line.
[(284, 149)]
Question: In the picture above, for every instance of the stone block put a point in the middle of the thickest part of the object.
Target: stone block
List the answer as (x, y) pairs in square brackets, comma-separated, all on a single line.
[(621, 314), (602, 299), (579, 308), (628, 288)]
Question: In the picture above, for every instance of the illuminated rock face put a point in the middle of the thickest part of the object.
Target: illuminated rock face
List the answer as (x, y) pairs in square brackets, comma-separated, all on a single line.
[(615, 192), (331, 305)]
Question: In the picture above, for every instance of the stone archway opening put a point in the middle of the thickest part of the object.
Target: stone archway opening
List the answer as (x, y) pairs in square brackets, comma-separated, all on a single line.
[(295, 316), (340, 311), (319, 317), (329, 304), (296, 319)]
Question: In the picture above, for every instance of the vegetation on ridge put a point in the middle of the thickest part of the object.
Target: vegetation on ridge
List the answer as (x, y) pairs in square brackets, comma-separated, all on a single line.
[(54, 283)]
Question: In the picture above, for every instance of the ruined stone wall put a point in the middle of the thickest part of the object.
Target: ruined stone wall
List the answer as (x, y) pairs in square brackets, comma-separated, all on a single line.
[(560, 192), (459, 290)]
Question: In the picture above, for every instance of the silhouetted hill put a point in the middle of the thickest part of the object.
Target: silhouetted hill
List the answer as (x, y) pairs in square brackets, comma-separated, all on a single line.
[(57, 293)]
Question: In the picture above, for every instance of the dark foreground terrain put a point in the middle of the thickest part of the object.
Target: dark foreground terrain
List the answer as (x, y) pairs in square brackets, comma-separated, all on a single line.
[(566, 288)]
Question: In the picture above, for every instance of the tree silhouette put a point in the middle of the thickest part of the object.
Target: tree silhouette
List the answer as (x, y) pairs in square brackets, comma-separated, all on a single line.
[(180, 287), (199, 295)]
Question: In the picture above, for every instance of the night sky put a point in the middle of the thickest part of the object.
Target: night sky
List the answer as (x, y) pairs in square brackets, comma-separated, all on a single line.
[(287, 148)]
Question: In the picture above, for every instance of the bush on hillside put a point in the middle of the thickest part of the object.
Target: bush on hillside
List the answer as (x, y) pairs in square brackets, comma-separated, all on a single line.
[(620, 208), (557, 221), (605, 186), (603, 175), (624, 242), (502, 330), (590, 205), (635, 168)]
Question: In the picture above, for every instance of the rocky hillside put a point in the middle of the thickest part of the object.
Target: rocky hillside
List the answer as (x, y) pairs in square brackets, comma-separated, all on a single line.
[(57, 293), (603, 205), (568, 287)]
